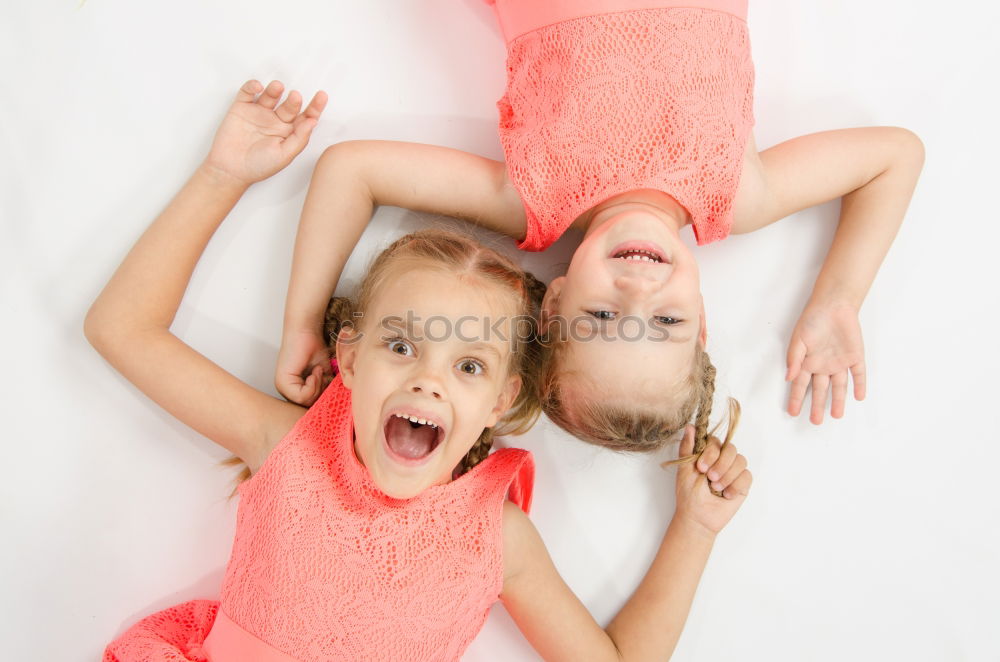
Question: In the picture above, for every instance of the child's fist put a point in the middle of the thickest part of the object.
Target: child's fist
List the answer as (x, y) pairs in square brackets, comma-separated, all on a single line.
[(720, 469), (259, 137), (303, 371)]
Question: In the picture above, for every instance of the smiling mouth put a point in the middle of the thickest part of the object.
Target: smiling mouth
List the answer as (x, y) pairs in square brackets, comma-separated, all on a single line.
[(638, 256), (641, 252), (411, 440)]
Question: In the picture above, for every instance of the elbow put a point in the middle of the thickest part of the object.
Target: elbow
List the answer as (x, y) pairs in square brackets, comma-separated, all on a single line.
[(910, 147), (342, 152), (96, 328)]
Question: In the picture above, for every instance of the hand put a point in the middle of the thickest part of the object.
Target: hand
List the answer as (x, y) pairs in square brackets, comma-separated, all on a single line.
[(825, 344), (303, 370), (258, 137), (719, 468)]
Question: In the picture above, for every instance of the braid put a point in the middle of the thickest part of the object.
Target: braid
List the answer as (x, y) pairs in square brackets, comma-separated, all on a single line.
[(535, 290), (340, 314), (703, 394), (701, 432), (478, 452)]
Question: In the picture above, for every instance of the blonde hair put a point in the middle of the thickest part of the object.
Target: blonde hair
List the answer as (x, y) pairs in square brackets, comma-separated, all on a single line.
[(461, 255), (636, 429)]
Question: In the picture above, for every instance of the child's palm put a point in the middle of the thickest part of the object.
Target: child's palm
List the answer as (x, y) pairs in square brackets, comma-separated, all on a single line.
[(258, 137), (826, 344)]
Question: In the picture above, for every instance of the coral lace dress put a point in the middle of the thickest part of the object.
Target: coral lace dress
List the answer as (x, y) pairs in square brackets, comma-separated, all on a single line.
[(327, 567)]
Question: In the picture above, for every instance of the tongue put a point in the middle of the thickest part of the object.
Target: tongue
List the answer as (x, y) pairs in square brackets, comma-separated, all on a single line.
[(407, 440)]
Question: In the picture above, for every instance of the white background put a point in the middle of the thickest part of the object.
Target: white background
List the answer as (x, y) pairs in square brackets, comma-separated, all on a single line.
[(870, 538)]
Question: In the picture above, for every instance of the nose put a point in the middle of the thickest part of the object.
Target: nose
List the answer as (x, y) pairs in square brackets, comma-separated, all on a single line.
[(425, 380), (638, 286)]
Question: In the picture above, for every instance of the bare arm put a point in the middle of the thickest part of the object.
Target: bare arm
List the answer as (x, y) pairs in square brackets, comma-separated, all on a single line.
[(129, 323), (875, 171), (352, 179), (648, 627)]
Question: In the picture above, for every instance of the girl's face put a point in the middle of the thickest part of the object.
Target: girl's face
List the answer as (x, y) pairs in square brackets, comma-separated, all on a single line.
[(434, 348), (632, 305)]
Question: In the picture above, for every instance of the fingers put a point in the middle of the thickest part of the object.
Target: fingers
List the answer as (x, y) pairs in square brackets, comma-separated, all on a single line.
[(287, 111), (316, 106), (796, 355), (727, 473), (727, 455), (820, 385), (740, 485), (687, 441), (798, 392), (858, 374), (271, 95), (726, 479), (249, 91), (301, 391), (838, 386), (299, 138), (313, 387), (709, 456)]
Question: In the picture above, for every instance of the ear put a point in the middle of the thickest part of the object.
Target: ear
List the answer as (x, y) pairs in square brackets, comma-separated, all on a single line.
[(703, 332), (348, 341), (550, 302), (504, 400)]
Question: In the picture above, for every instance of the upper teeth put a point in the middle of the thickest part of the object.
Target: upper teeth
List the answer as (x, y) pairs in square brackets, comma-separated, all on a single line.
[(639, 255), (415, 419)]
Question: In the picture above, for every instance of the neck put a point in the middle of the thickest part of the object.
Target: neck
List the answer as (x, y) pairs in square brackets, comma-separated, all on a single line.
[(663, 206)]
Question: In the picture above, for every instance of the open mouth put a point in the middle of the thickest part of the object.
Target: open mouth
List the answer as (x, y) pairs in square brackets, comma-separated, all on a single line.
[(641, 252), (412, 439)]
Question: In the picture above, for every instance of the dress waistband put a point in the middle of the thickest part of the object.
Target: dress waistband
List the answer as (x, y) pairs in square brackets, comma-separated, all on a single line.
[(228, 642), (518, 17)]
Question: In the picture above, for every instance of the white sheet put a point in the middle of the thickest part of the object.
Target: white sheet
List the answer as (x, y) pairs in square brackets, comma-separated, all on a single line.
[(870, 538)]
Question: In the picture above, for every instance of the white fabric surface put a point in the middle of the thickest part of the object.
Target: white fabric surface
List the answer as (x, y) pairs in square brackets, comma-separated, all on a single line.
[(874, 537)]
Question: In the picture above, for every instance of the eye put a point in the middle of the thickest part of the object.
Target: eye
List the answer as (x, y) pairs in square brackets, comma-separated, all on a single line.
[(667, 320), (602, 314), (471, 367), (399, 346)]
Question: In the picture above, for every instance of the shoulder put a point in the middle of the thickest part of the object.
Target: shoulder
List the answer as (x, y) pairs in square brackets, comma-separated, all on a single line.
[(751, 195), (520, 540)]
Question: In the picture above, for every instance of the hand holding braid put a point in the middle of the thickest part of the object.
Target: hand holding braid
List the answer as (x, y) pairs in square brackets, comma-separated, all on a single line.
[(702, 435), (729, 479)]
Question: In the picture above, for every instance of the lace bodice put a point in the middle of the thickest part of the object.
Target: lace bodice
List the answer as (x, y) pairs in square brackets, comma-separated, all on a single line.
[(604, 104)]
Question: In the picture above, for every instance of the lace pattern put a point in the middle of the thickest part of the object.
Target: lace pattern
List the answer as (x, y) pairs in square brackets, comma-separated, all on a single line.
[(601, 105), (327, 567)]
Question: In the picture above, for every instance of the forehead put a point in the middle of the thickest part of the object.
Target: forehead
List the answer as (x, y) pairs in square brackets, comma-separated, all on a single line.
[(445, 303), (626, 373), (444, 291)]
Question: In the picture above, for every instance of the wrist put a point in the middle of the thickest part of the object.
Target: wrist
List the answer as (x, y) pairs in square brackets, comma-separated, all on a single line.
[(299, 324), (836, 295), (689, 529), (221, 179)]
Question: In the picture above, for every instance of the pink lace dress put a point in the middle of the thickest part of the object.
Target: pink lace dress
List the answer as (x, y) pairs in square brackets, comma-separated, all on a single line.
[(327, 567), (609, 96)]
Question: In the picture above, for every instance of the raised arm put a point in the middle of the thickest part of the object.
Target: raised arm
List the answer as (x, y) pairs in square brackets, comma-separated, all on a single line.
[(875, 171), (129, 323), (350, 181), (648, 627)]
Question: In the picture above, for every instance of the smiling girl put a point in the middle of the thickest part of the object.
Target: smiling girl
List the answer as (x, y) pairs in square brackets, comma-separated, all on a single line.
[(628, 120)]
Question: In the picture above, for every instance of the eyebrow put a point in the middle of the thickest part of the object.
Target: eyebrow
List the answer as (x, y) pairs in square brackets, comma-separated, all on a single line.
[(671, 337), (418, 329), (491, 349)]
